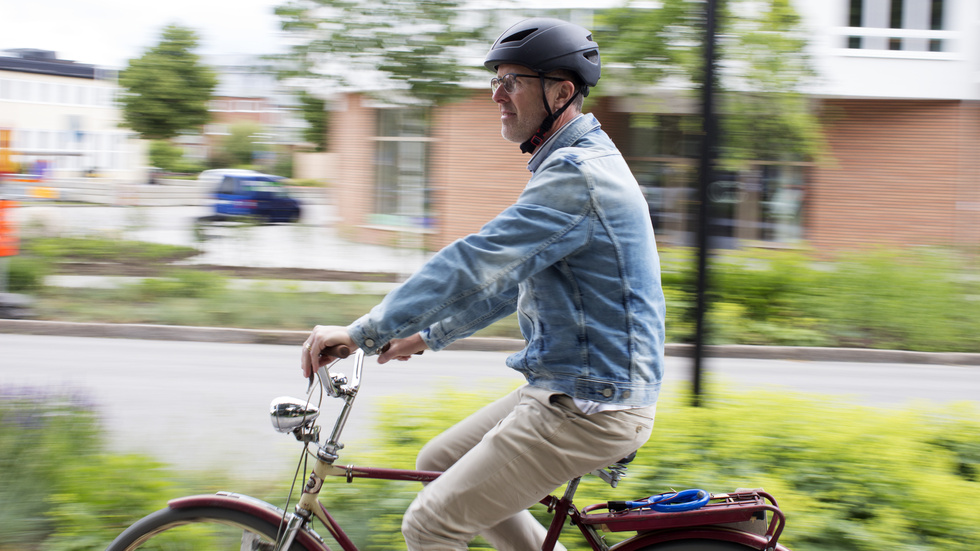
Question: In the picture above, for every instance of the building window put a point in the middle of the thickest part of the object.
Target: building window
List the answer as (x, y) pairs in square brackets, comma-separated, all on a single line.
[(763, 203), (662, 153), (908, 20), (401, 166), (781, 197), (664, 135)]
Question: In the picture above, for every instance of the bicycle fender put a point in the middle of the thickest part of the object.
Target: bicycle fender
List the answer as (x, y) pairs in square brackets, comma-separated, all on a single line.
[(252, 506), (640, 541)]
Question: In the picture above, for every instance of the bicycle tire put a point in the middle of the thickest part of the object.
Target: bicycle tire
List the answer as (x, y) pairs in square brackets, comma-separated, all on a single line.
[(193, 528), (698, 545)]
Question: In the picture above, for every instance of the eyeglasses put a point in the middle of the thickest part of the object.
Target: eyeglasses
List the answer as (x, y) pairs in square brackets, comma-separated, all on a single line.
[(509, 82)]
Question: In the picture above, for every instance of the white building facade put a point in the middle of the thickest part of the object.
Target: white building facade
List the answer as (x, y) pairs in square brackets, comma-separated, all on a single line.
[(895, 49), (63, 119)]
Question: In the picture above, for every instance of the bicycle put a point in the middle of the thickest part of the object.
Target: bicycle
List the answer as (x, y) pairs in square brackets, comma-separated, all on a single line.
[(692, 520)]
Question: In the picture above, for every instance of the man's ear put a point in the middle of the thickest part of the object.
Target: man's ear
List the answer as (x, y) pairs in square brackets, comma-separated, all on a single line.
[(565, 92)]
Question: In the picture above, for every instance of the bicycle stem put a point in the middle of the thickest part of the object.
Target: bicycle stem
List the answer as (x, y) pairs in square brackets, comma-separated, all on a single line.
[(340, 387)]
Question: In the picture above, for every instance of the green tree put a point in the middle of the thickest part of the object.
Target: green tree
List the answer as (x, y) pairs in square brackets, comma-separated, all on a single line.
[(412, 49), (170, 157), (763, 66), (315, 114), (243, 142), (165, 155), (167, 89)]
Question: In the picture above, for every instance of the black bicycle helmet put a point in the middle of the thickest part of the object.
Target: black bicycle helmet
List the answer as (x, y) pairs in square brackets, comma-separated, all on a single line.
[(544, 45)]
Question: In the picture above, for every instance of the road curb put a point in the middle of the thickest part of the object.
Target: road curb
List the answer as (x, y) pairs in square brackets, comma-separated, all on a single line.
[(483, 344)]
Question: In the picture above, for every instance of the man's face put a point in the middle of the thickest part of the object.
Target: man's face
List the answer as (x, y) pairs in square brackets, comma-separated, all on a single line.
[(521, 111)]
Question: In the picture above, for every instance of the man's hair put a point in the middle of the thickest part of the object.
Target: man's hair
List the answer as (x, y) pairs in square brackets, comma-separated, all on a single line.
[(565, 74)]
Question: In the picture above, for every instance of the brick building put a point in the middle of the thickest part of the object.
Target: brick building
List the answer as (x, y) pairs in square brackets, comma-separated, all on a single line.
[(899, 99)]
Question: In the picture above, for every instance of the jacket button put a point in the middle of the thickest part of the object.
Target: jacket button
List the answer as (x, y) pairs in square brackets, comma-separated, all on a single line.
[(626, 394), (607, 392), (369, 343)]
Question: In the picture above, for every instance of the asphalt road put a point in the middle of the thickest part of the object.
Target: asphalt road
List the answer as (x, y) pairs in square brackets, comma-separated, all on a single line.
[(199, 405)]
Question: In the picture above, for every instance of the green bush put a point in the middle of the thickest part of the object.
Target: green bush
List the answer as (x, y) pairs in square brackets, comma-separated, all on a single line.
[(104, 249), (59, 490), (158, 303), (25, 274), (179, 284), (164, 154), (915, 300), (847, 477), (307, 182), (170, 157)]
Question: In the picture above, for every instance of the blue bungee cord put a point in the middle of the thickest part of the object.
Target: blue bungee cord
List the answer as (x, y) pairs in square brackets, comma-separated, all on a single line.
[(667, 502)]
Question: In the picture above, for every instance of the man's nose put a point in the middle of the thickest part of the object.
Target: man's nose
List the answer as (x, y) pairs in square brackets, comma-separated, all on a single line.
[(500, 95)]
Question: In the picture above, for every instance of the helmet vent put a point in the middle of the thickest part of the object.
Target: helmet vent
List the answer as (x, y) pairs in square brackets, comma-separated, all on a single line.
[(517, 37), (592, 56)]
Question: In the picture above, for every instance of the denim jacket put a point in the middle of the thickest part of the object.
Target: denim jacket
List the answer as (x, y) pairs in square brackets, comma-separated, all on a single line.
[(575, 256)]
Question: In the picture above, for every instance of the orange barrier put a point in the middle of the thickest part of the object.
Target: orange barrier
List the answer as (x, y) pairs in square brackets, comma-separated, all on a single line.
[(8, 232)]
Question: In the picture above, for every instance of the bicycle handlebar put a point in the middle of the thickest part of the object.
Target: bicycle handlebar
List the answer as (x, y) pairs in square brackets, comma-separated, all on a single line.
[(337, 351)]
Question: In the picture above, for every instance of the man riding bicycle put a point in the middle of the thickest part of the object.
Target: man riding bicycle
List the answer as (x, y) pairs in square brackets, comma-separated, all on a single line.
[(575, 257)]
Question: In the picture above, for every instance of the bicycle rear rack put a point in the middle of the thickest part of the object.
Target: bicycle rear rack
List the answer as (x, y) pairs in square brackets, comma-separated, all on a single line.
[(743, 510)]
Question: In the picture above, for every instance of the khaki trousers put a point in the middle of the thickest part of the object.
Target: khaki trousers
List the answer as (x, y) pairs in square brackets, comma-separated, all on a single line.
[(505, 458)]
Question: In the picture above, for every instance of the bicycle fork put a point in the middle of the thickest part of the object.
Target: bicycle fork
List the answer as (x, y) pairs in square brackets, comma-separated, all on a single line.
[(295, 523), (307, 507)]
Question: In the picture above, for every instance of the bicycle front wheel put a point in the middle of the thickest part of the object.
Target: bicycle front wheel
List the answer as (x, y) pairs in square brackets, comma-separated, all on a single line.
[(698, 545), (200, 528)]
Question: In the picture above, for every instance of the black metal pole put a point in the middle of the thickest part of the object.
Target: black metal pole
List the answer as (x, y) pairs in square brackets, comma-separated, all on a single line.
[(706, 176)]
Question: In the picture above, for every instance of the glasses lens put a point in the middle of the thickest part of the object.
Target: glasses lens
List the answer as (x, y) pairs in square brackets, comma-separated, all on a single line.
[(507, 81)]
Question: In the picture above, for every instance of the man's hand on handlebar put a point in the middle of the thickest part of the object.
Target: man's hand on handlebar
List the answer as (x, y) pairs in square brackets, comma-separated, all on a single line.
[(325, 344), (402, 349)]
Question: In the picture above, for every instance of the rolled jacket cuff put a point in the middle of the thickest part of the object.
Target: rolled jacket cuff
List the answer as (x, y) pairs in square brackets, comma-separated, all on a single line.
[(435, 338), (365, 339)]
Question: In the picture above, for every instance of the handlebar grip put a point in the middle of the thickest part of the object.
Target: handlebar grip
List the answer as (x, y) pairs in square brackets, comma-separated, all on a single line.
[(337, 351)]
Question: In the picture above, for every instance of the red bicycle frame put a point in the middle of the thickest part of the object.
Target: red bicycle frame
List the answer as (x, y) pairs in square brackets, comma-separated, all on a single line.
[(729, 517)]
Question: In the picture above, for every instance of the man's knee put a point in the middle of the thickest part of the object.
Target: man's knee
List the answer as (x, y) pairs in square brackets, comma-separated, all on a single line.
[(434, 456), (425, 535), (411, 528)]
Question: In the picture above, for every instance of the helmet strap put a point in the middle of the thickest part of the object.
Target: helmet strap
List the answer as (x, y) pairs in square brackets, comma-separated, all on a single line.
[(537, 139)]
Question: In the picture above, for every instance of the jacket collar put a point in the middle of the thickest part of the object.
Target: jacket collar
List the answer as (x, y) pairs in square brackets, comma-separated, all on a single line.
[(565, 136)]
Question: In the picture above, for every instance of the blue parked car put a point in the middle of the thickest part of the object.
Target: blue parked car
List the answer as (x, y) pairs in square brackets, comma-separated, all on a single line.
[(256, 195)]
